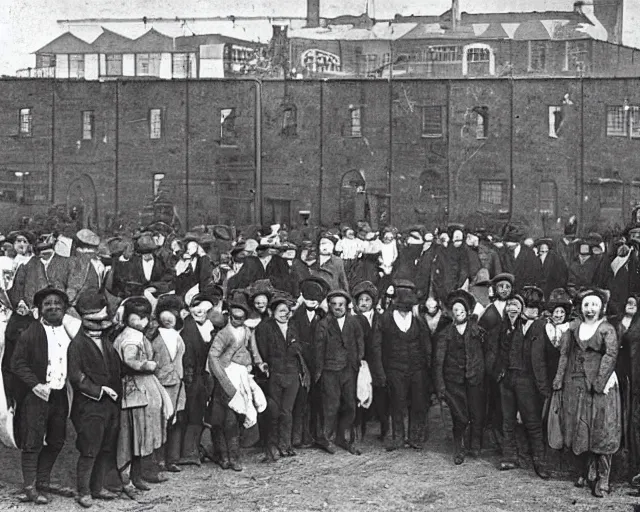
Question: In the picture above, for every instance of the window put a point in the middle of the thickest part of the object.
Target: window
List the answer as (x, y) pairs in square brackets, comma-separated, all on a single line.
[(537, 55), (478, 55), (634, 122), (386, 59), (491, 192), (482, 122), (47, 61), (26, 121), (290, 121), (575, 56), (157, 183), (184, 65), (148, 64), (556, 119), (278, 211), (432, 124), (87, 125), (548, 198), (228, 136), (616, 121), (370, 63), (155, 123), (114, 64), (445, 54), (355, 114), (76, 66)]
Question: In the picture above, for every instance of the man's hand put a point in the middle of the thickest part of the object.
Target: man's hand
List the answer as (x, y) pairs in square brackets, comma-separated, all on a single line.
[(264, 368), (557, 384), (42, 391), (112, 394), (22, 308), (149, 366)]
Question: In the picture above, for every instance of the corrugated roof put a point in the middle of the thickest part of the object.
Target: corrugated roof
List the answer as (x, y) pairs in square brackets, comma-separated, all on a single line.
[(111, 42), (152, 42), (67, 43), (193, 42), (436, 31), (379, 32)]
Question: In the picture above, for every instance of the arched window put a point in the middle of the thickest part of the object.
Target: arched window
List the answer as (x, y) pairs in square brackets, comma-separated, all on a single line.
[(478, 53)]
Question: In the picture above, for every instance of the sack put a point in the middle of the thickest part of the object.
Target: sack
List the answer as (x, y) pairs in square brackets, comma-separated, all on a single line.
[(132, 395), (364, 386), (555, 430)]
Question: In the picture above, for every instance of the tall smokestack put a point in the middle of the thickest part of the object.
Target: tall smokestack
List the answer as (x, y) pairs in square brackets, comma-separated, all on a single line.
[(313, 13), (455, 14)]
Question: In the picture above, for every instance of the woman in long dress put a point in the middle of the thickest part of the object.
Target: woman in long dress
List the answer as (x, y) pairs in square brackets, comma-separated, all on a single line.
[(591, 415)]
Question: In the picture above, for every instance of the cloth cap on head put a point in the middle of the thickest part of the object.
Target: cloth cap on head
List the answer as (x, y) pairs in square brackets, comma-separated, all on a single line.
[(159, 227), (533, 296), (13, 235), (192, 236), (504, 276), (406, 297), (206, 239), (87, 238), (546, 241), (238, 300), (338, 293), (199, 298), (90, 303), (513, 234), (172, 303), (260, 287), (145, 244), (45, 242), (116, 245), (463, 297), (314, 288), (365, 287), (280, 297), (518, 297), (213, 290), (329, 235), (593, 239), (40, 295), (455, 226), (559, 298), (222, 232)]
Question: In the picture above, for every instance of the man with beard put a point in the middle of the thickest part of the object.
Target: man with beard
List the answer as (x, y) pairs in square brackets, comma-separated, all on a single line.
[(328, 266), (306, 411), (554, 269), (491, 321), (39, 364), (339, 352), (522, 376), (94, 374), (459, 373), (86, 271), (405, 352)]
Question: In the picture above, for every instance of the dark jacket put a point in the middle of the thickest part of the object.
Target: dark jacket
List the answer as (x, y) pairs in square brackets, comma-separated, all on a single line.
[(526, 268), (32, 277), (372, 356), (306, 332), (136, 282), (337, 349), (492, 322), (202, 276), (583, 274), (282, 355), (554, 273), (332, 271), (451, 366), (29, 360), (194, 363), (88, 369), (533, 352)]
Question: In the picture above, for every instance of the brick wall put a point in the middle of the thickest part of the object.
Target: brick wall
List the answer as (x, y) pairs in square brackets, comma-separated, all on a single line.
[(434, 162)]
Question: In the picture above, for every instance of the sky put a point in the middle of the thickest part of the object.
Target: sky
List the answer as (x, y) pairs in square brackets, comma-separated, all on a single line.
[(27, 25)]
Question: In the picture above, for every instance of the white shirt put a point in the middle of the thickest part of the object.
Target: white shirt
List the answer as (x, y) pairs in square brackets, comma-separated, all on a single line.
[(341, 322), (516, 251), (526, 325), (543, 257), (403, 322), (99, 268), (170, 338), (369, 316), (57, 343), (205, 330), (147, 268), (500, 305), (311, 315)]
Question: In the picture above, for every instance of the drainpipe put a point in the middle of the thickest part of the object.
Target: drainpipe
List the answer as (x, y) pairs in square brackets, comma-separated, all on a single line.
[(52, 171), (187, 173), (258, 150), (116, 176), (390, 162), (581, 170), (321, 176), (511, 153)]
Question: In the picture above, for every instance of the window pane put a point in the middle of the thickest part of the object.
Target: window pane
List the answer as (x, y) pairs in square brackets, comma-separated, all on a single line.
[(228, 126), (635, 122), (491, 192), (76, 66), (155, 123), (432, 121), (87, 125), (478, 55), (183, 67), (157, 183), (25, 121), (548, 197), (444, 54), (289, 121), (356, 122), (537, 56), (114, 65), (616, 121)]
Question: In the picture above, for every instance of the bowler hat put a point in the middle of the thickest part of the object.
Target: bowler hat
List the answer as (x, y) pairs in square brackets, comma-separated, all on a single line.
[(406, 297), (463, 297), (559, 298), (145, 244), (91, 302), (544, 241), (338, 293), (280, 297), (238, 300), (40, 295), (533, 296), (314, 288), (504, 276)]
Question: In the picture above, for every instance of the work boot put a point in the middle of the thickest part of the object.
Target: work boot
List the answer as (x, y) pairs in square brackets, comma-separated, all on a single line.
[(191, 446), (604, 470), (234, 453), (458, 450), (31, 494), (541, 471)]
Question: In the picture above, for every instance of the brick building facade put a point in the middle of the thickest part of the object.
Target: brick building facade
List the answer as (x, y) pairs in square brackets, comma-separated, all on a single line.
[(246, 151)]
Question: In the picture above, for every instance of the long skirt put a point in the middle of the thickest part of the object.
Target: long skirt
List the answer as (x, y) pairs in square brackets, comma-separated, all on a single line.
[(144, 429), (592, 421)]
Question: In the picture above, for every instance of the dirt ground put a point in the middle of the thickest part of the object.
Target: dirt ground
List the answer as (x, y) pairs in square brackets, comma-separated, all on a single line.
[(405, 480)]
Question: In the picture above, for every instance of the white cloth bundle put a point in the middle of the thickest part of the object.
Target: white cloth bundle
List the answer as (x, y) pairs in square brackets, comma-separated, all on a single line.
[(249, 399), (364, 386)]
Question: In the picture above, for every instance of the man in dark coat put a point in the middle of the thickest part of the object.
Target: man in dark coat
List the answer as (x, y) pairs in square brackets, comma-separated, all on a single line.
[(455, 261), (328, 266), (365, 296), (520, 260), (554, 272), (94, 374), (459, 373), (491, 321), (404, 344), (522, 374), (308, 406), (39, 364), (144, 271), (86, 271), (584, 266), (339, 352), (425, 265), (619, 273)]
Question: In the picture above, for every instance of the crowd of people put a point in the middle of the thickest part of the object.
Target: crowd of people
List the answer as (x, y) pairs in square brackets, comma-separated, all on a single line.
[(149, 342)]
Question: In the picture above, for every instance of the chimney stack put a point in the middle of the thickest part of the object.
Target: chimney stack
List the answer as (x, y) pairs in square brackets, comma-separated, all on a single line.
[(313, 13), (455, 14)]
